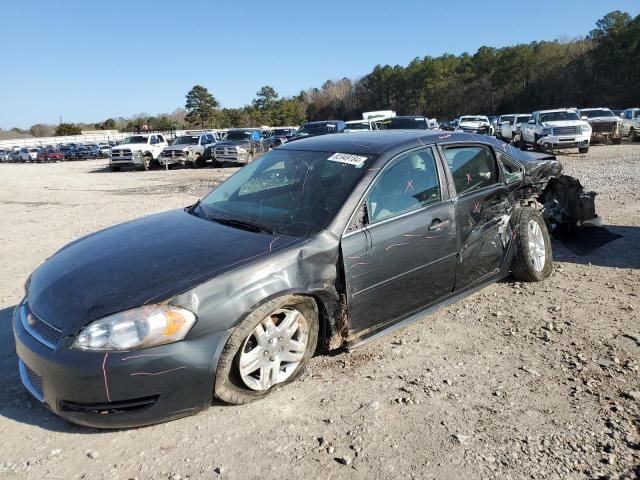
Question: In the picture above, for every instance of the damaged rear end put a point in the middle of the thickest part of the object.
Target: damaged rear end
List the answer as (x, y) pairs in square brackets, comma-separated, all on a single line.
[(562, 199)]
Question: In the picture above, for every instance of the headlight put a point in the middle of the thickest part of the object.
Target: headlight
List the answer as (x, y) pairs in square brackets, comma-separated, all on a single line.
[(546, 131), (241, 150), (586, 129), (136, 328)]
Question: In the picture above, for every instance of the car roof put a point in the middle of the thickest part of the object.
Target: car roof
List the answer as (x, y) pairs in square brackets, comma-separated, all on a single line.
[(594, 108), (556, 110), (386, 141)]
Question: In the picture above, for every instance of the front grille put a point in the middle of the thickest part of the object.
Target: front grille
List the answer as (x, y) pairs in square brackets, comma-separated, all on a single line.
[(120, 153), (604, 127), (31, 380), (39, 329), (566, 131), (226, 151), (173, 154), (110, 407)]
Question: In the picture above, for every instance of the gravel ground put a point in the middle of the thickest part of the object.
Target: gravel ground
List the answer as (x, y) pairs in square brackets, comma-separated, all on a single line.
[(517, 381)]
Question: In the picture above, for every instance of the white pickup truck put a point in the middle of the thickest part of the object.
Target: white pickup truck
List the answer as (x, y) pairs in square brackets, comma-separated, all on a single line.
[(140, 151), (555, 129), (630, 126), (509, 127)]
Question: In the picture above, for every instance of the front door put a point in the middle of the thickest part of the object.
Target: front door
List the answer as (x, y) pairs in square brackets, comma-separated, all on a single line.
[(482, 210), (403, 258)]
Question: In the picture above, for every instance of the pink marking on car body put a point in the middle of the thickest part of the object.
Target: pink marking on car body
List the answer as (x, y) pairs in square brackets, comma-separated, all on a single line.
[(272, 242), (395, 245), (442, 137), (468, 178), (157, 373), (104, 375), (146, 355)]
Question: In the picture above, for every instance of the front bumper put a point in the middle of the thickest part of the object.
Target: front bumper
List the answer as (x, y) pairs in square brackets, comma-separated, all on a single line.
[(119, 389), (551, 142), (175, 160), (135, 159)]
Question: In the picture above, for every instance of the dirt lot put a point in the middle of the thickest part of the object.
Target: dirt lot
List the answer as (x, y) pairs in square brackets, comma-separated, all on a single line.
[(517, 381)]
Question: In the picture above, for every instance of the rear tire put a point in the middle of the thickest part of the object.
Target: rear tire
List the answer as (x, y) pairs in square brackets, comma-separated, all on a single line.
[(533, 257), (229, 384), (583, 150)]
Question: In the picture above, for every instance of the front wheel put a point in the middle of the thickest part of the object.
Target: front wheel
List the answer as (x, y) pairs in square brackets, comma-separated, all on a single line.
[(199, 161), (533, 258), (146, 163), (272, 346), (632, 135), (583, 150)]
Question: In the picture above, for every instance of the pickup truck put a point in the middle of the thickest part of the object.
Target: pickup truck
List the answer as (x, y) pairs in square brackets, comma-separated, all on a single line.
[(140, 151), (605, 125), (188, 150), (630, 126), (555, 129), (509, 127), (475, 124), (241, 145)]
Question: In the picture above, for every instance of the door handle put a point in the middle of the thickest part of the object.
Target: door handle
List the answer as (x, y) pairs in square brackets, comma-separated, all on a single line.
[(438, 224)]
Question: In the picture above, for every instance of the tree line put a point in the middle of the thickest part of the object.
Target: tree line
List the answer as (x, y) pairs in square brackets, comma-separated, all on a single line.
[(601, 69)]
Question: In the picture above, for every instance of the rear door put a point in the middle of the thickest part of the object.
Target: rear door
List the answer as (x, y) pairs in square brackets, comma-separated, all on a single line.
[(401, 257), (482, 210)]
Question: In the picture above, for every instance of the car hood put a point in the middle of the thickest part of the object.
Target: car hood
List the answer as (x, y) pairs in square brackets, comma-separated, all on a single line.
[(564, 123), (232, 143), (178, 148), (130, 146), (144, 261), (604, 120), (477, 124)]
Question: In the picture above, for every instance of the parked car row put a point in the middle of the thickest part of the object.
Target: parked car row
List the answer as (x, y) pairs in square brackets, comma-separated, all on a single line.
[(548, 130), (57, 153)]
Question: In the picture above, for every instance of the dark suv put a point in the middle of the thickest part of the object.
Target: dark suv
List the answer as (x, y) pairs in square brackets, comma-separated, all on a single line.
[(313, 129)]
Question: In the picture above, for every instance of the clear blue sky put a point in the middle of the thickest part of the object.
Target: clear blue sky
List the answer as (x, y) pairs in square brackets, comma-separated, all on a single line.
[(90, 60)]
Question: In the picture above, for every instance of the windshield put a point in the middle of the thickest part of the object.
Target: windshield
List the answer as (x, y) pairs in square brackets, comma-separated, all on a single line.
[(522, 119), (636, 114), (316, 129), (135, 139), (506, 118), (558, 116), (289, 192), (357, 126), (186, 140), (473, 119), (597, 113), (399, 123), (283, 132), (238, 135)]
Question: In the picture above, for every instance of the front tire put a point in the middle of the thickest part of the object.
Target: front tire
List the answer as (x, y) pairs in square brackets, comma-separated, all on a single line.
[(583, 150), (632, 135), (533, 258), (146, 163), (272, 346)]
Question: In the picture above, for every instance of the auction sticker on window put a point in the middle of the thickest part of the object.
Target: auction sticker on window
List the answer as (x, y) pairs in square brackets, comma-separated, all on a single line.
[(355, 160)]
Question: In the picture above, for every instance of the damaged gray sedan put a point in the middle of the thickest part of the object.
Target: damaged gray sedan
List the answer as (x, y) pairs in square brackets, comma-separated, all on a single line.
[(320, 244)]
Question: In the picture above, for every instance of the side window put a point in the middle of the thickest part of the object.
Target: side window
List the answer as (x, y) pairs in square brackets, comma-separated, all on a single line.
[(160, 139), (513, 172), (153, 140), (472, 167), (410, 183)]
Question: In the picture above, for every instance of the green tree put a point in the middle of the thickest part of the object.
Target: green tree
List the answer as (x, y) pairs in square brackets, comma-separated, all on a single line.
[(265, 98), (67, 129), (201, 107), (109, 124)]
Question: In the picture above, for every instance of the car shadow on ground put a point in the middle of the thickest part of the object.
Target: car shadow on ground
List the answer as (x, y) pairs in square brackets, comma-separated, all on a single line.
[(615, 246), (16, 404)]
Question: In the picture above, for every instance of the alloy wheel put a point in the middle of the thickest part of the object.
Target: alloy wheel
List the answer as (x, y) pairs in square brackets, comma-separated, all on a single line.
[(537, 248), (275, 348)]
